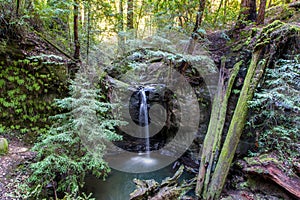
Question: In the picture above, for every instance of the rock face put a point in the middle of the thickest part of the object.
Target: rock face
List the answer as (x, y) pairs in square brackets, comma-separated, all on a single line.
[(157, 95), (3, 146)]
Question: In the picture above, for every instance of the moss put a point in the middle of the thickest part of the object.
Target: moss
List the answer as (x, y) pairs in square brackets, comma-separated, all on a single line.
[(29, 88), (3, 146), (238, 47)]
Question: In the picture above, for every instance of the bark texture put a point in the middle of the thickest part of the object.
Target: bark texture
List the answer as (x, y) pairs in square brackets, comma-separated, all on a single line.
[(76, 29), (211, 145), (269, 167), (255, 71), (129, 14), (261, 13)]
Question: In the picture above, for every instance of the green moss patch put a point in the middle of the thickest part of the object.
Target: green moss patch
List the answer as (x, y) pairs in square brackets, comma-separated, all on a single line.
[(27, 90), (3, 146)]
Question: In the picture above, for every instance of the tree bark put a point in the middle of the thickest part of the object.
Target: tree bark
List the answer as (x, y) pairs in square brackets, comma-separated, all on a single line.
[(199, 15), (269, 167), (195, 35), (211, 145), (129, 14), (76, 29), (247, 13), (18, 8), (267, 46), (121, 18), (225, 11), (255, 72), (88, 32), (261, 13)]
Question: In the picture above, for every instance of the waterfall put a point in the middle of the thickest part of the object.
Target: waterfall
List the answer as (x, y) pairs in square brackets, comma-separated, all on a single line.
[(143, 120)]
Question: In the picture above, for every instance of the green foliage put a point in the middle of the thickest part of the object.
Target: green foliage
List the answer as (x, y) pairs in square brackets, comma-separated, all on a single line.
[(276, 108), (26, 94), (75, 144), (222, 16), (53, 17), (10, 23)]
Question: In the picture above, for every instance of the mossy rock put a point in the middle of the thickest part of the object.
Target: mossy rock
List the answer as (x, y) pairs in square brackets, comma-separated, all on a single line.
[(3, 146)]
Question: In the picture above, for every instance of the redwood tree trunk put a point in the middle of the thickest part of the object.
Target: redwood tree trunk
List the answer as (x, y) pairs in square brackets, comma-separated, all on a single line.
[(248, 10), (129, 14), (76, 37), (88, 33), (261, 12)]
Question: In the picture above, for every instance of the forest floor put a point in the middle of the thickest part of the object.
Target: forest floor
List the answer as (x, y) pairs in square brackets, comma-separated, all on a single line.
[(18, 154)]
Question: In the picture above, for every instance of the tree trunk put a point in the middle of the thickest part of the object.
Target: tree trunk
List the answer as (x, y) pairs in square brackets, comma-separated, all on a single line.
[(261, 13), (121, 18), (76, 36), (120, 28), (247, 13), (129, 14), (217, 13), (88, 32), (18, 7), (270, 4), (255, 72), (211, 145), (268, 44), (225, 12), (195, 36), (199, 15)]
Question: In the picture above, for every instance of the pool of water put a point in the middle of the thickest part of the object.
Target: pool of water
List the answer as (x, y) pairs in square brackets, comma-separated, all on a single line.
[(119, 184)]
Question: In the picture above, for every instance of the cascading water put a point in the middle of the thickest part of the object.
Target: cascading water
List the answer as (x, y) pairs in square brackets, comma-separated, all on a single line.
[(143, 120)]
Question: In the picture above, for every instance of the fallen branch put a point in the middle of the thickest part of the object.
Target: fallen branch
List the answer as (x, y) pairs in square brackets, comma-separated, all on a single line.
[(55, 46), (167, 190)]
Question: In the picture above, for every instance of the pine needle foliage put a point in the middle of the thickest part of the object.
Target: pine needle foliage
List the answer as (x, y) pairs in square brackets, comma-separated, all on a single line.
[(276, 108), (75, 144)]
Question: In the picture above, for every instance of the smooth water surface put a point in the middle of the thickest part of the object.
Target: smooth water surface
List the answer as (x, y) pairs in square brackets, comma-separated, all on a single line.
[(119, 184)]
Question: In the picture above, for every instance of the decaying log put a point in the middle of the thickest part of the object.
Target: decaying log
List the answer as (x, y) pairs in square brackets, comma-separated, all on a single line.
[(265, 50), (269, 167), (211, 145), (167, 190)]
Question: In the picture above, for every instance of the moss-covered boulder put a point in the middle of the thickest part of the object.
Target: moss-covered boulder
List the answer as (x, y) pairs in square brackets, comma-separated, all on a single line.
[(3, 146)]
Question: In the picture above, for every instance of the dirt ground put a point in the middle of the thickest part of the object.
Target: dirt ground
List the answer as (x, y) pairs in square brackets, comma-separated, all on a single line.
[(9, 173)]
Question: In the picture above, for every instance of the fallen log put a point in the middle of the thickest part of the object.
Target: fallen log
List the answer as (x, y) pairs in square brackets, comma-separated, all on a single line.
[(271, 168), (169, 188)]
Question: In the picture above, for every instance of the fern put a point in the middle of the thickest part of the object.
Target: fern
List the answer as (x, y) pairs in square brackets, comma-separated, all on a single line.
[(276, 107), (65, 153)]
